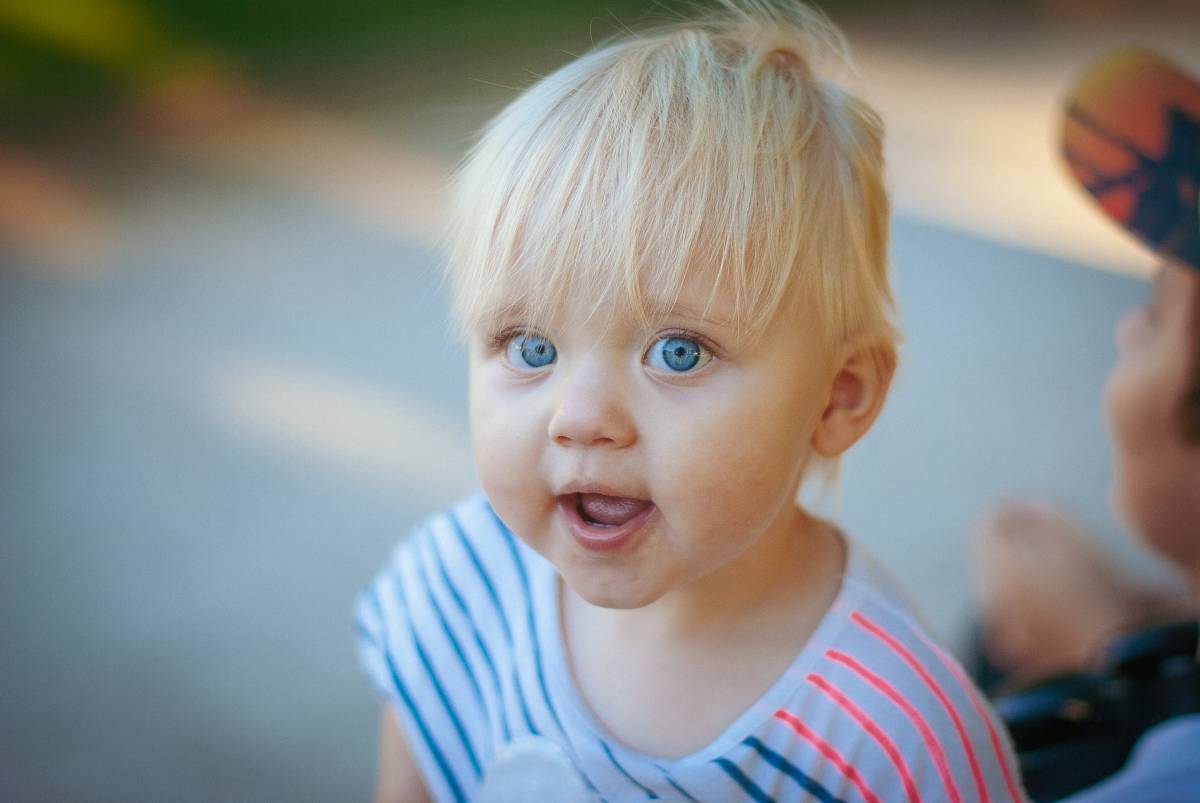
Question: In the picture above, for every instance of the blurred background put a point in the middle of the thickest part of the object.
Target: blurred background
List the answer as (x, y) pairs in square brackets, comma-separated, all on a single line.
[(228, 386)]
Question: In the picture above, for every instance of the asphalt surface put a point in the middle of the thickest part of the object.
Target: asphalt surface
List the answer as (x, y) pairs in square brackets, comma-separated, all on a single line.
[(211, 445)]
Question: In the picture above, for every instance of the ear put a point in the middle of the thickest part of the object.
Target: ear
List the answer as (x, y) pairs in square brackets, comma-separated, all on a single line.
[(856, 396)]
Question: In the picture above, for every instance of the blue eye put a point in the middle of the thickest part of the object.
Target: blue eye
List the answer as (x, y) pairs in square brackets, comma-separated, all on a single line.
[(677, 354), (530, 351)]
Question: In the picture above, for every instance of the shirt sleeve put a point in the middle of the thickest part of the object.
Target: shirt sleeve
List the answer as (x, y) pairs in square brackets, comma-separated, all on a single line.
[(409, 637)]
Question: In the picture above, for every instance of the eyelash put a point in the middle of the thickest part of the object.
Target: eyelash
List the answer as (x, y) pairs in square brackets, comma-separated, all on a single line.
[(686, 334), (499, 340)]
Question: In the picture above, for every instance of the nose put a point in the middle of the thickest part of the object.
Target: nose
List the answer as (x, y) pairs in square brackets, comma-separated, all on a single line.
[(1129, 328), (592, 411)]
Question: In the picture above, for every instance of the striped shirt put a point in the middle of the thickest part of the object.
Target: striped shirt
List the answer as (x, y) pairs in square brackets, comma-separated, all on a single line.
[(460, 632)]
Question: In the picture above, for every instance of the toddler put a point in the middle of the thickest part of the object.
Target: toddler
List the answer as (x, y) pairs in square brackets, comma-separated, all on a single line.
[(669, 260)]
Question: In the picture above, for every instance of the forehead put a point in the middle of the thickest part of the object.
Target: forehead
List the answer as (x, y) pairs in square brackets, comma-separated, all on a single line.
[(644, 293)]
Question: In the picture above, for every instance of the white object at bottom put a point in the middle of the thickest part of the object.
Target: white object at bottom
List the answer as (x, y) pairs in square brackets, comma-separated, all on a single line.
[(533, 768)]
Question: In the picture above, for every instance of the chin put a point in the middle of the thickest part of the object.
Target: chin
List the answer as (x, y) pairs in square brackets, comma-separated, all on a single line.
[(1155, 526), (610, 592)]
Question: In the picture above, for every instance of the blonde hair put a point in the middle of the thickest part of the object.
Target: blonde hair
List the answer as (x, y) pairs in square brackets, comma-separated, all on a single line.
[(704, 150)]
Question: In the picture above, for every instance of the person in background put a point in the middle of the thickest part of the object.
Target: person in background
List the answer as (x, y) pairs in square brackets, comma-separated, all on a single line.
[(1051, 600)]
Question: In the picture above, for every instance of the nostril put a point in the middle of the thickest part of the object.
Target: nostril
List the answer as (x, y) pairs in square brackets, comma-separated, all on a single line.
[(567, 440), (600, 422)]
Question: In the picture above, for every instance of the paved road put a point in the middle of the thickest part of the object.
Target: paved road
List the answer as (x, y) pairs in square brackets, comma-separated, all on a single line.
[(208, 451)]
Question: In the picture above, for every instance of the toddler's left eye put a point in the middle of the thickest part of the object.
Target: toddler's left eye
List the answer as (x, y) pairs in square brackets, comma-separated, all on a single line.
[(528, 350), (677, 354)]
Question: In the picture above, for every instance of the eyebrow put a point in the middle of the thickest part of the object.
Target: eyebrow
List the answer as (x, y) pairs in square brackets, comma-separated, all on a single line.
[(504, 311), (660, 310)]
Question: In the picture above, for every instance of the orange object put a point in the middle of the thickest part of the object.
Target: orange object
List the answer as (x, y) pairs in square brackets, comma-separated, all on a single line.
[(1131, 136)]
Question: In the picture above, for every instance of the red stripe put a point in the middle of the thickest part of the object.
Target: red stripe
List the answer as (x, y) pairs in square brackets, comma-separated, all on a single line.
[(973, 695), (827, 750), (931, 742), (904, 653), (867, 724)]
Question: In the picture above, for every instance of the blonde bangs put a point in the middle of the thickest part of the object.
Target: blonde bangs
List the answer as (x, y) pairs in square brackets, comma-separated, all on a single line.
[(706, 151)]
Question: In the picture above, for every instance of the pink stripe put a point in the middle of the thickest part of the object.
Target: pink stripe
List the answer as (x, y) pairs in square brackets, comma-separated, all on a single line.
[(931, 742), (830, 753), (867, 724), (898, 648), (973, 695)]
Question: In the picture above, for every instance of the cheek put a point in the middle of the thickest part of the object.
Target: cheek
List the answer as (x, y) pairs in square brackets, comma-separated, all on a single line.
[(1120, 404), (506, 450), (735, 463), (1137, 406), (1133, 437), (1146, 450)]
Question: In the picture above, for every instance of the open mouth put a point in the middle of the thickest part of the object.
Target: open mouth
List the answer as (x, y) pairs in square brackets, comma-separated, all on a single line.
[(602, 522), (600, 510)]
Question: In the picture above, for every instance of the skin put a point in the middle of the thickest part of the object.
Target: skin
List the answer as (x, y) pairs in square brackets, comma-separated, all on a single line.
[(727, 566), (399, 779), (1157, 483)]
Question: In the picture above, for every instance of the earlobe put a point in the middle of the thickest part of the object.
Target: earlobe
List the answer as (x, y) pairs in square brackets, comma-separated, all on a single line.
[(856, 396)]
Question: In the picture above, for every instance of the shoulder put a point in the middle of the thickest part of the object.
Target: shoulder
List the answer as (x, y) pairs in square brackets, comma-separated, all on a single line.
[(460, 543), (432, 634), (454, 570), (901, 702)]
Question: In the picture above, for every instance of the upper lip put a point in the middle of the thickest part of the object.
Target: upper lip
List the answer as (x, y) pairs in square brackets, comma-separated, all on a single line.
[(589, 487)]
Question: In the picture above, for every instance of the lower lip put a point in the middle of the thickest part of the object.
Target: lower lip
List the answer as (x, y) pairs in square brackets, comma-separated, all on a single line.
[(598, 537)]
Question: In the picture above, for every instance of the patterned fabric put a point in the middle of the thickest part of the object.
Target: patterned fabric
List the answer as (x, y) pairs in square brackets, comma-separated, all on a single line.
[(460, 632), (1131, 136)]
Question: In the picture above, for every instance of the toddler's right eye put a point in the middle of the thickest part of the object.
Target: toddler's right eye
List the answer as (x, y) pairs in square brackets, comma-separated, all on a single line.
[(528, 350)]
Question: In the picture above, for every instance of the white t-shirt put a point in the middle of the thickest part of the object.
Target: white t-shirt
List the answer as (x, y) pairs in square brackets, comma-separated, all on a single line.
[(460, 631)]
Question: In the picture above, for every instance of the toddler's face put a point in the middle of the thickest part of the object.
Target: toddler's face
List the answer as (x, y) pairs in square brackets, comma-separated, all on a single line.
[(638, 460), (1157, 472)]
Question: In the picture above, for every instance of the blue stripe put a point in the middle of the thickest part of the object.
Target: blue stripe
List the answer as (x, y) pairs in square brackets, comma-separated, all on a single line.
[(364, 633), (376, 608), (437, 685), (674, 785), (783, 765), (533, 633), (516, 682), (483, 575), (735, 772), (447, 773), (649, 794), (487, 656), (487, 582), (462, 658), (370, 599)]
